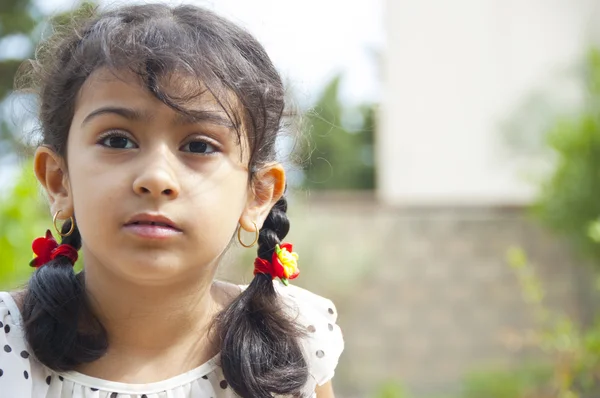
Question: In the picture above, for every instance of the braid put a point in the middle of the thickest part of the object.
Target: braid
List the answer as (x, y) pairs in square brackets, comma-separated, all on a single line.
[(53, 307), (260, 352), (274, 230)]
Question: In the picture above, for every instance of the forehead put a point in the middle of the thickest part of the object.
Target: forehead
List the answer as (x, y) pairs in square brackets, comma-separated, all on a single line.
[(105, 86)]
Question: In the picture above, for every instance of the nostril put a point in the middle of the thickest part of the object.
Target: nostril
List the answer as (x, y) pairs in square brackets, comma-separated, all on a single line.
[(168, 192), (145, 190)]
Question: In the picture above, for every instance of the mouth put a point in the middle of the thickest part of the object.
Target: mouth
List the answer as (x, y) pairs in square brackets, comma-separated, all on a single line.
[(152, 221), (159, 224)]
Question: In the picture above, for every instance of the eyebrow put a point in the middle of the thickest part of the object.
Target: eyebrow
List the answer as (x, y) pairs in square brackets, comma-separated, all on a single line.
[(180, 119), (203, 116)]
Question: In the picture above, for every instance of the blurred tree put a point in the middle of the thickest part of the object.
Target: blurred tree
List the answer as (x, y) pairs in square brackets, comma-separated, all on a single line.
[(23, 214), (574, 350), (18, 20), (568, 200), (21, 24), (339, 152), (558, 142)]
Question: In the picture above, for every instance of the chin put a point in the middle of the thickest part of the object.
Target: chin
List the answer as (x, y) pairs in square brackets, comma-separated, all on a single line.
[(151, 269)]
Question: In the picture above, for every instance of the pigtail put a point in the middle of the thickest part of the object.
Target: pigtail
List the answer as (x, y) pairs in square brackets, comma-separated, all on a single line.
[(55, 310), (260, 351)]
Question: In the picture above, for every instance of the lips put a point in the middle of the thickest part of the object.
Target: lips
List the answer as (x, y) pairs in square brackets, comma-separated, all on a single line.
[(152, 220), (162, 224)]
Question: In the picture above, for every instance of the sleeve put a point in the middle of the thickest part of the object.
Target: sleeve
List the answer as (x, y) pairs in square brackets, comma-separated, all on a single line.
[(324, 342), (15, 367)]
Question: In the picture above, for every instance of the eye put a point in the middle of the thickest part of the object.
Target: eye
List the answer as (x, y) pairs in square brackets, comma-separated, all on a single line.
[(197, 146), (117, 140)]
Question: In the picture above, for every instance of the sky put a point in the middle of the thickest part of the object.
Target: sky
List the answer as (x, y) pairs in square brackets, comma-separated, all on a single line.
[(310, 41)]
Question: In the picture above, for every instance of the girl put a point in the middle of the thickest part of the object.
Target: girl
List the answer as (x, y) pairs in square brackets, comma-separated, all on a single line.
[(159, 128)]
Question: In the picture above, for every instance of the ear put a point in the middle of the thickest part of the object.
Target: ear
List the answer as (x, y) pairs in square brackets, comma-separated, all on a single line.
[(268, 186), (51, 172)]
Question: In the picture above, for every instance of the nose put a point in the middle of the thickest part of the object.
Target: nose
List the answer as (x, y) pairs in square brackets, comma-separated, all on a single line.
[(157, 179)]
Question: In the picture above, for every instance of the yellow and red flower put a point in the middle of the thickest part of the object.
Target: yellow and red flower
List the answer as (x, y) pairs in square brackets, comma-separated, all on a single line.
[(283, 264)]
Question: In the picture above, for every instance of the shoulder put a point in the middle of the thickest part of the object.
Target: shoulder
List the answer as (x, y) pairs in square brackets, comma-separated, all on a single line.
[(15, 360), (323, 343), (10, 316)]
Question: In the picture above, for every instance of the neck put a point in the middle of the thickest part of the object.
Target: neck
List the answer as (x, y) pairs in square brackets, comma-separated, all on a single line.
[(149, 326), (151, 319)]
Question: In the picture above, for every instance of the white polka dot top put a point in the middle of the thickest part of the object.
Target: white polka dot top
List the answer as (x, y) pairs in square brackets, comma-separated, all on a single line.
[(21, 375)]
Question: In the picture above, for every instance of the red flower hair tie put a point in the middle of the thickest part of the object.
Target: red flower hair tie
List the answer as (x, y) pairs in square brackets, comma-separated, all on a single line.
[(47, 249), (283, 264)]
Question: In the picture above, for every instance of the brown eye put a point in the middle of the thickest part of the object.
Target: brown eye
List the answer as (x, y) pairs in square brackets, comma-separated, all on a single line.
[(199, 147), (117, 141)]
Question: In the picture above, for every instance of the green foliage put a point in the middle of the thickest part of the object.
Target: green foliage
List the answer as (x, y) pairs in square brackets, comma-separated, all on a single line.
[(339, 157), (22, 218), (17, 18), (22, 213), (568, 203), (520, 382), (22, 18), (575, 352), (568, 200), (391, 389)]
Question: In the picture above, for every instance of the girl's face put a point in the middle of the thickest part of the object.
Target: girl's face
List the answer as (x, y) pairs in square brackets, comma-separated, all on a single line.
[(157, 196)]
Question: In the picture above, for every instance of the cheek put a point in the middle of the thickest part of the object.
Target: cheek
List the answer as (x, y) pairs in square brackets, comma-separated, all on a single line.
[(218, 204), (95, 193)]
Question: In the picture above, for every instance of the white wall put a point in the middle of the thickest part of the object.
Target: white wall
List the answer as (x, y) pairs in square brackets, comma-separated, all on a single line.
[(453, 71)]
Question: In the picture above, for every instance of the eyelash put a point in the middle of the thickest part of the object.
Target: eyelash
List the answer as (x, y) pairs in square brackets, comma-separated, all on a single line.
[(114, 133)]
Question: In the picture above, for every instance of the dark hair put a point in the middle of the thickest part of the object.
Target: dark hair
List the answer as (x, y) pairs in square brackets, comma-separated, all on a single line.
[(260, 350)]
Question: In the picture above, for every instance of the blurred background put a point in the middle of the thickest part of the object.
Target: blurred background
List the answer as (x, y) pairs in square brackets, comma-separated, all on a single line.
[(445, 184)]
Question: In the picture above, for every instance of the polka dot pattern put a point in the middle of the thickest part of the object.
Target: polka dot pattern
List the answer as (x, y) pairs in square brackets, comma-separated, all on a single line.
[(322, 343)]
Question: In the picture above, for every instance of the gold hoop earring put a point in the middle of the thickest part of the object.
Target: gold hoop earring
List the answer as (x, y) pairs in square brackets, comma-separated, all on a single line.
[(58, 230), (239, 234)]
